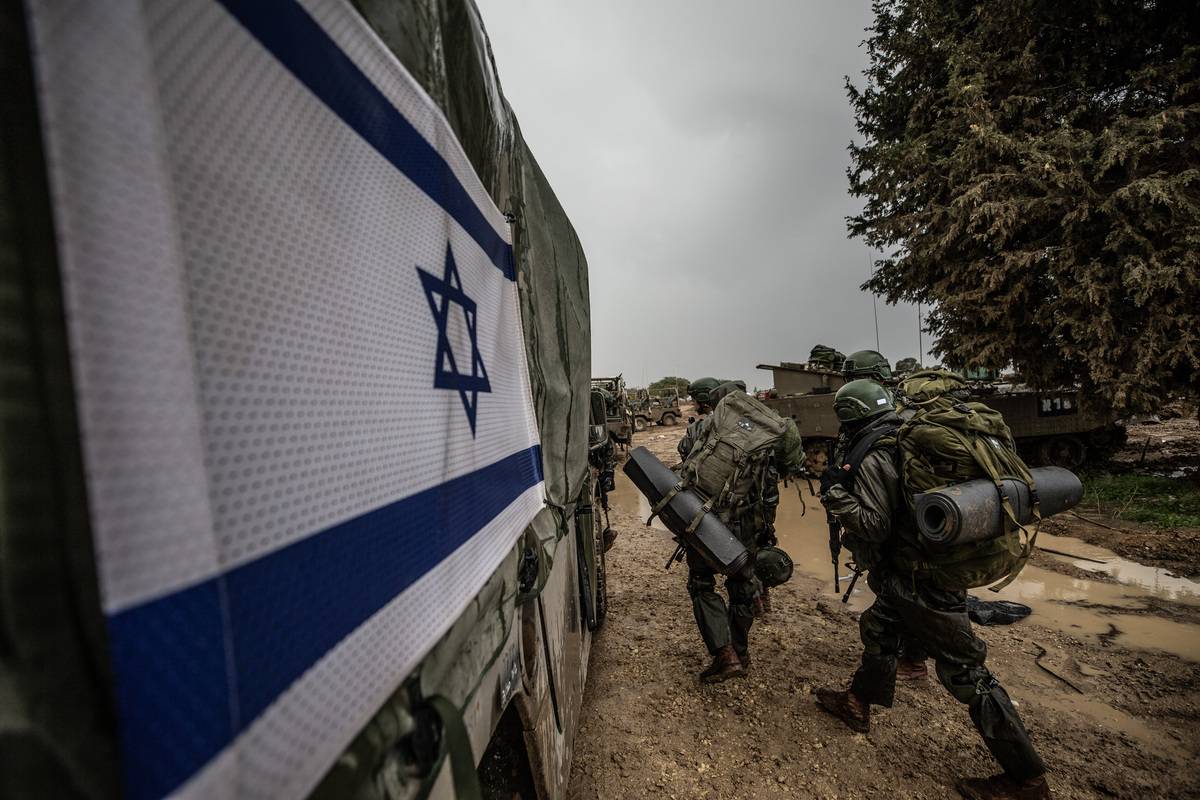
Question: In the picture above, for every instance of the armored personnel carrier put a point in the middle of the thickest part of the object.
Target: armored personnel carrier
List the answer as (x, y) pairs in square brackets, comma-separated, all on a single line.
[(1050, 427)]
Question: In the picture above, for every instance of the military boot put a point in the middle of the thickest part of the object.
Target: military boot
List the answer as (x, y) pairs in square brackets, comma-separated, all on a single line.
[(725, 665), (1002, 787), (846, 707), (907, 670)]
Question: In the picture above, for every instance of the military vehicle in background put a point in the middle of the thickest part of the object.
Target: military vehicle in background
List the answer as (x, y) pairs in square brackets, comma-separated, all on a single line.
[(1052, 427), (648, 409), (500, 694), (620, 420)]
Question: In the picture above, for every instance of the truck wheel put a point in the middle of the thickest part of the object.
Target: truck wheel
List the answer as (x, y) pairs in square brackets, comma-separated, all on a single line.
[(1068, 452), (640, 423), (601, 569), (667, 419)]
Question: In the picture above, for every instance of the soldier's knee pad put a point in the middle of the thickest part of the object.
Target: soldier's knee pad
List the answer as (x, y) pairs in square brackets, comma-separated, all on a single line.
[(966, 683)]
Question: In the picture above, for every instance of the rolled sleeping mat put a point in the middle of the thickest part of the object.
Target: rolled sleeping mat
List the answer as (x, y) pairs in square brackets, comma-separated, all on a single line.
[(971, 512), (711, 539)]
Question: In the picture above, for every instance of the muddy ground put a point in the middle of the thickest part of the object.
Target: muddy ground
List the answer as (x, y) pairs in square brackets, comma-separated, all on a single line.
[(1113, 715)]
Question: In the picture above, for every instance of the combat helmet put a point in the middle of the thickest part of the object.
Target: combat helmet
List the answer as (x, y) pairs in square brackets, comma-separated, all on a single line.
[(866, 364), (861, 400), (728, 387)]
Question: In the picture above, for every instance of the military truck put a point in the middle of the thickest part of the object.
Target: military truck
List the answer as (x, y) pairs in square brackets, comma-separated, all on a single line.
[(619, 413), (152, 694), (1050, 427), (660, 409)]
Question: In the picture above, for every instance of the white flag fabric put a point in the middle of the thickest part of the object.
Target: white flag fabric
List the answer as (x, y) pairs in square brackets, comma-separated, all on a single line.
[(306, 414)]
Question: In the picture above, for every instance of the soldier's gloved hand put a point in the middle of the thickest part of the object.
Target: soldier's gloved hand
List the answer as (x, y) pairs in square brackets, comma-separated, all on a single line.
[(832, 476)]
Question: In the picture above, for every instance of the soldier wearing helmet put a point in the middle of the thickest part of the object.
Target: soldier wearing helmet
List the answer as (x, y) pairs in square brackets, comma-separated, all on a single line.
[(725, 629), (872, 365), (867, 364), (865, 494)]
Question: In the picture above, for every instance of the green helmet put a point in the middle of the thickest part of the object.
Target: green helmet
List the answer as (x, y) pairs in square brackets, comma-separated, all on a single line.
[(772, 566), (728, 387), (866, 364), (861, 400)]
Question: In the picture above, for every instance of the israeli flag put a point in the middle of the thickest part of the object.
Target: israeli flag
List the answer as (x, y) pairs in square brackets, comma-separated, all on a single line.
[(294, 323)]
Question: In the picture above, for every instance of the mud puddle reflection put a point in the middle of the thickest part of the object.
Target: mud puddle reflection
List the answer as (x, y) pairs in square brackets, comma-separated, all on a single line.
[(1083, 608), (626, 497)]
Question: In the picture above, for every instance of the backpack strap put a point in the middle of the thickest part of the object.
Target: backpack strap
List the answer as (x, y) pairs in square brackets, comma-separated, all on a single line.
[(863, 445)]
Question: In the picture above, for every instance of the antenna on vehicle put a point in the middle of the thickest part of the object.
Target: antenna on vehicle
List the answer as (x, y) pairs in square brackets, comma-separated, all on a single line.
[(874, 299), (920, 337)]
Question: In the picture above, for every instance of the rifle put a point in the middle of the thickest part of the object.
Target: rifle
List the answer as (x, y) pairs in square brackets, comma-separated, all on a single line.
[(678, 555), (850, 588), (835, 547)]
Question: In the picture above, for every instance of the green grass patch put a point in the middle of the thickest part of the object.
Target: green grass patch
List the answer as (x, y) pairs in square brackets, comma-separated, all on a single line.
[(1161, 502)]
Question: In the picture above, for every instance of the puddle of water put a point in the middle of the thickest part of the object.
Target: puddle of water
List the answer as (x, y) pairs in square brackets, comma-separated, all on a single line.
[(803, 532), (1058, 601), (1156, 580), (1100, 713), (626, 497)]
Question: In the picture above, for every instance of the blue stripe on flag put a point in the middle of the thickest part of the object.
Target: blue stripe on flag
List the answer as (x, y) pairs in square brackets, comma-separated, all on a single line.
[(196, 667), (292, 36)]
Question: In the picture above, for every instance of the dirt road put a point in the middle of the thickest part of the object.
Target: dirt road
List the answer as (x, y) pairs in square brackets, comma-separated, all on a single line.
[(652, 731)]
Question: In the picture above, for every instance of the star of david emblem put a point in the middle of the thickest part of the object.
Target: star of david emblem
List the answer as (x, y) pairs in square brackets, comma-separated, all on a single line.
[(443, 293)]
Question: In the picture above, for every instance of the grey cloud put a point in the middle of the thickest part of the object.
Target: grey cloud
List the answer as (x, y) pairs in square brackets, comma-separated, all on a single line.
[(700, 150)]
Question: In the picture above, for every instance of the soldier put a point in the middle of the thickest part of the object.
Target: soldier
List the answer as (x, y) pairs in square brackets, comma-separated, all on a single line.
[(726, 630), (881, 534), (871, 365), (867, 364)]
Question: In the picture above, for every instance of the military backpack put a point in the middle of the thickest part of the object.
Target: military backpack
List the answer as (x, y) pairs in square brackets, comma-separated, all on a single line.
[(949, 441), (729, 459), (826, 357)]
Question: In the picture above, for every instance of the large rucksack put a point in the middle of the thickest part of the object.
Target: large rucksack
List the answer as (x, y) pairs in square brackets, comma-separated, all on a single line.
[(729, 459), (949, 441), (826, 357)]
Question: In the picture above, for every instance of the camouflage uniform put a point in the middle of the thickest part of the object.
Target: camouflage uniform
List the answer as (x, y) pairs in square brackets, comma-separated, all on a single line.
[(721, 626), (910, 650), (881, 534)]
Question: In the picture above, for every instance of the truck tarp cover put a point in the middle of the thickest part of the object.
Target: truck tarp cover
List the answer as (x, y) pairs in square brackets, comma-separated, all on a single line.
[(58, 719)]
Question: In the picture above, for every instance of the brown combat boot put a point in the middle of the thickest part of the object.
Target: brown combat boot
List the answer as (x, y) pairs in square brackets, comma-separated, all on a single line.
[(725, 665), (1002, 787), (846, 707), (911, 670)]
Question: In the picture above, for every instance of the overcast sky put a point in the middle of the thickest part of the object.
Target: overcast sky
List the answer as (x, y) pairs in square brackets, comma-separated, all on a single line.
[(700, 151)]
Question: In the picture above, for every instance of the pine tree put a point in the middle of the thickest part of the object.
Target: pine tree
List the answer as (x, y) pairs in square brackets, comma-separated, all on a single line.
[(1031, 168)]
